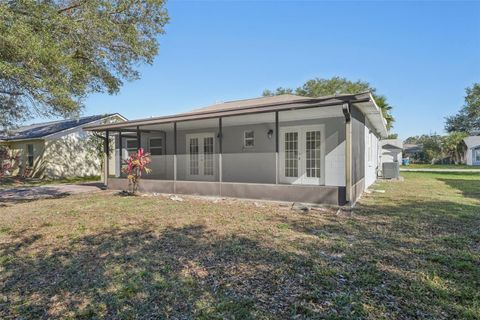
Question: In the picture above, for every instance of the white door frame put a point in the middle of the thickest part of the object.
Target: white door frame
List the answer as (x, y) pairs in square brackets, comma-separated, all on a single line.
[(201, 156), (302, 161)]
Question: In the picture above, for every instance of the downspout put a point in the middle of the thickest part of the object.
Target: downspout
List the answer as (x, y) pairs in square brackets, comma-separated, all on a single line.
[(106, 158), (346, 108)]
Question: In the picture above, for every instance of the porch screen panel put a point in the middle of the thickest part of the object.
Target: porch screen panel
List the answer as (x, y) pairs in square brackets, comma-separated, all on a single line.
[(208, 162), (291, 154), (194, 156), (313, 155)]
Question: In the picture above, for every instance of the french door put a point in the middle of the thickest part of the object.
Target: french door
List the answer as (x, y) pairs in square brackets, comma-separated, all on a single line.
[(200, 156), (302, 150)]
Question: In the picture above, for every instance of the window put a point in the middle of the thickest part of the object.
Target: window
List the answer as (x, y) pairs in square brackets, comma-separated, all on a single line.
[(476, 155), (248, 139), (30, 155), (132, 146), (156, 146)]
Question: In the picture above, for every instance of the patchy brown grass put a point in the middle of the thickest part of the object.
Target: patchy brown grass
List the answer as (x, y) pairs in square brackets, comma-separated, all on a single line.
[(411, 252)]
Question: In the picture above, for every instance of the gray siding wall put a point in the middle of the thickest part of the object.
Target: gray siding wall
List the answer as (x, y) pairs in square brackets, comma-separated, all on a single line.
[(254, 165)]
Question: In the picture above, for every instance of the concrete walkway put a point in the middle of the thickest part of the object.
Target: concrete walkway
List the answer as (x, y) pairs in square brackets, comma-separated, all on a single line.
[(48, 191), (439, 170)]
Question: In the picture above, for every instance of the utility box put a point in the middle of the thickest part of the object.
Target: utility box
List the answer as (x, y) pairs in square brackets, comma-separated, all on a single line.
[(391, 170)]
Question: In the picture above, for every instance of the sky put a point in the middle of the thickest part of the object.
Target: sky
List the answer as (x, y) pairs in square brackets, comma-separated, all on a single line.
[(420, 55)]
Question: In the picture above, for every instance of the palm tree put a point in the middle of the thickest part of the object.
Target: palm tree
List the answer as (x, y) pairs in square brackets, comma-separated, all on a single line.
[(386, 109)]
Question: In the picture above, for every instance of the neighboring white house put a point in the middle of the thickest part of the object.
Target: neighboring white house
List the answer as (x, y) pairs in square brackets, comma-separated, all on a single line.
[(57, 149), (286, 147), (472, 151), (391, 150)]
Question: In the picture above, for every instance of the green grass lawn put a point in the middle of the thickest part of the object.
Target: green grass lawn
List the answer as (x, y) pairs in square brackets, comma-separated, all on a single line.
[(439, 166), (18, 182), (412, 252)]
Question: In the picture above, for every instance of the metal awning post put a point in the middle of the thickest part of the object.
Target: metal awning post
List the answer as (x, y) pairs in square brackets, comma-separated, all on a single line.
[(120, 152), (276, 147), (174, 157), (220, 145), (139, 138), (106, 159)]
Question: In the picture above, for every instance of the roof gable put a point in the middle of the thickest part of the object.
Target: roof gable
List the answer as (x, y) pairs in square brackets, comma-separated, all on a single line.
[(41, 130)]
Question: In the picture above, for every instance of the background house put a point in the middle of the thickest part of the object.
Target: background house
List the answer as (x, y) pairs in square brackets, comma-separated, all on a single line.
[(472, 150), (58, 148), (286, 147)]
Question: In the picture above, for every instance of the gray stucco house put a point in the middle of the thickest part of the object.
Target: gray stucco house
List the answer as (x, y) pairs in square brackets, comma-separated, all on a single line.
[(291, 148)]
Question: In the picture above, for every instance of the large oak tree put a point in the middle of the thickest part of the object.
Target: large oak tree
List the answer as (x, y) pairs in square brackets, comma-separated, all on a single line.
[(53, 53), (468, 118)]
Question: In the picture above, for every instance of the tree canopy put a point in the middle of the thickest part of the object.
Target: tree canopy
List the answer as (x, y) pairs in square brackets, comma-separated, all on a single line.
[(431, 147), (468, 118), (55, 53), (337, 85), (436, 147)]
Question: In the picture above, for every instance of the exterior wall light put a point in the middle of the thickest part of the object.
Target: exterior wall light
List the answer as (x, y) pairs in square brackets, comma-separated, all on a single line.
[(270, 134)]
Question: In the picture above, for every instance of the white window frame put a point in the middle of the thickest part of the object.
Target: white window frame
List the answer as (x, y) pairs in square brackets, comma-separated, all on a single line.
[(245, 139), (160, 147), (302, 177), (201, 176)]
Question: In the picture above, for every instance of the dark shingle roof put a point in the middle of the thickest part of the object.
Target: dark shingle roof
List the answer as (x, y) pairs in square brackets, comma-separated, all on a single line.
[(40, 130)]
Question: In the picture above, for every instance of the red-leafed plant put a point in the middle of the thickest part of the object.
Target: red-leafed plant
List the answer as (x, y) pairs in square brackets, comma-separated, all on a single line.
[(136, 165), (6, 161)]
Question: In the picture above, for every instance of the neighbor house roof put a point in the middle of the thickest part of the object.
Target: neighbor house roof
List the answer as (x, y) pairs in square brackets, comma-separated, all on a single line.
[(392, 143), (41, 130), (364, 101), (472, 141), (412, 148)]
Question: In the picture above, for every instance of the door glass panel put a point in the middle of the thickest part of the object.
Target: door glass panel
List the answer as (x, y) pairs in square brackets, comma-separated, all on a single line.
[(291, 154), (312, 149), (208, 156), (194, 156)]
